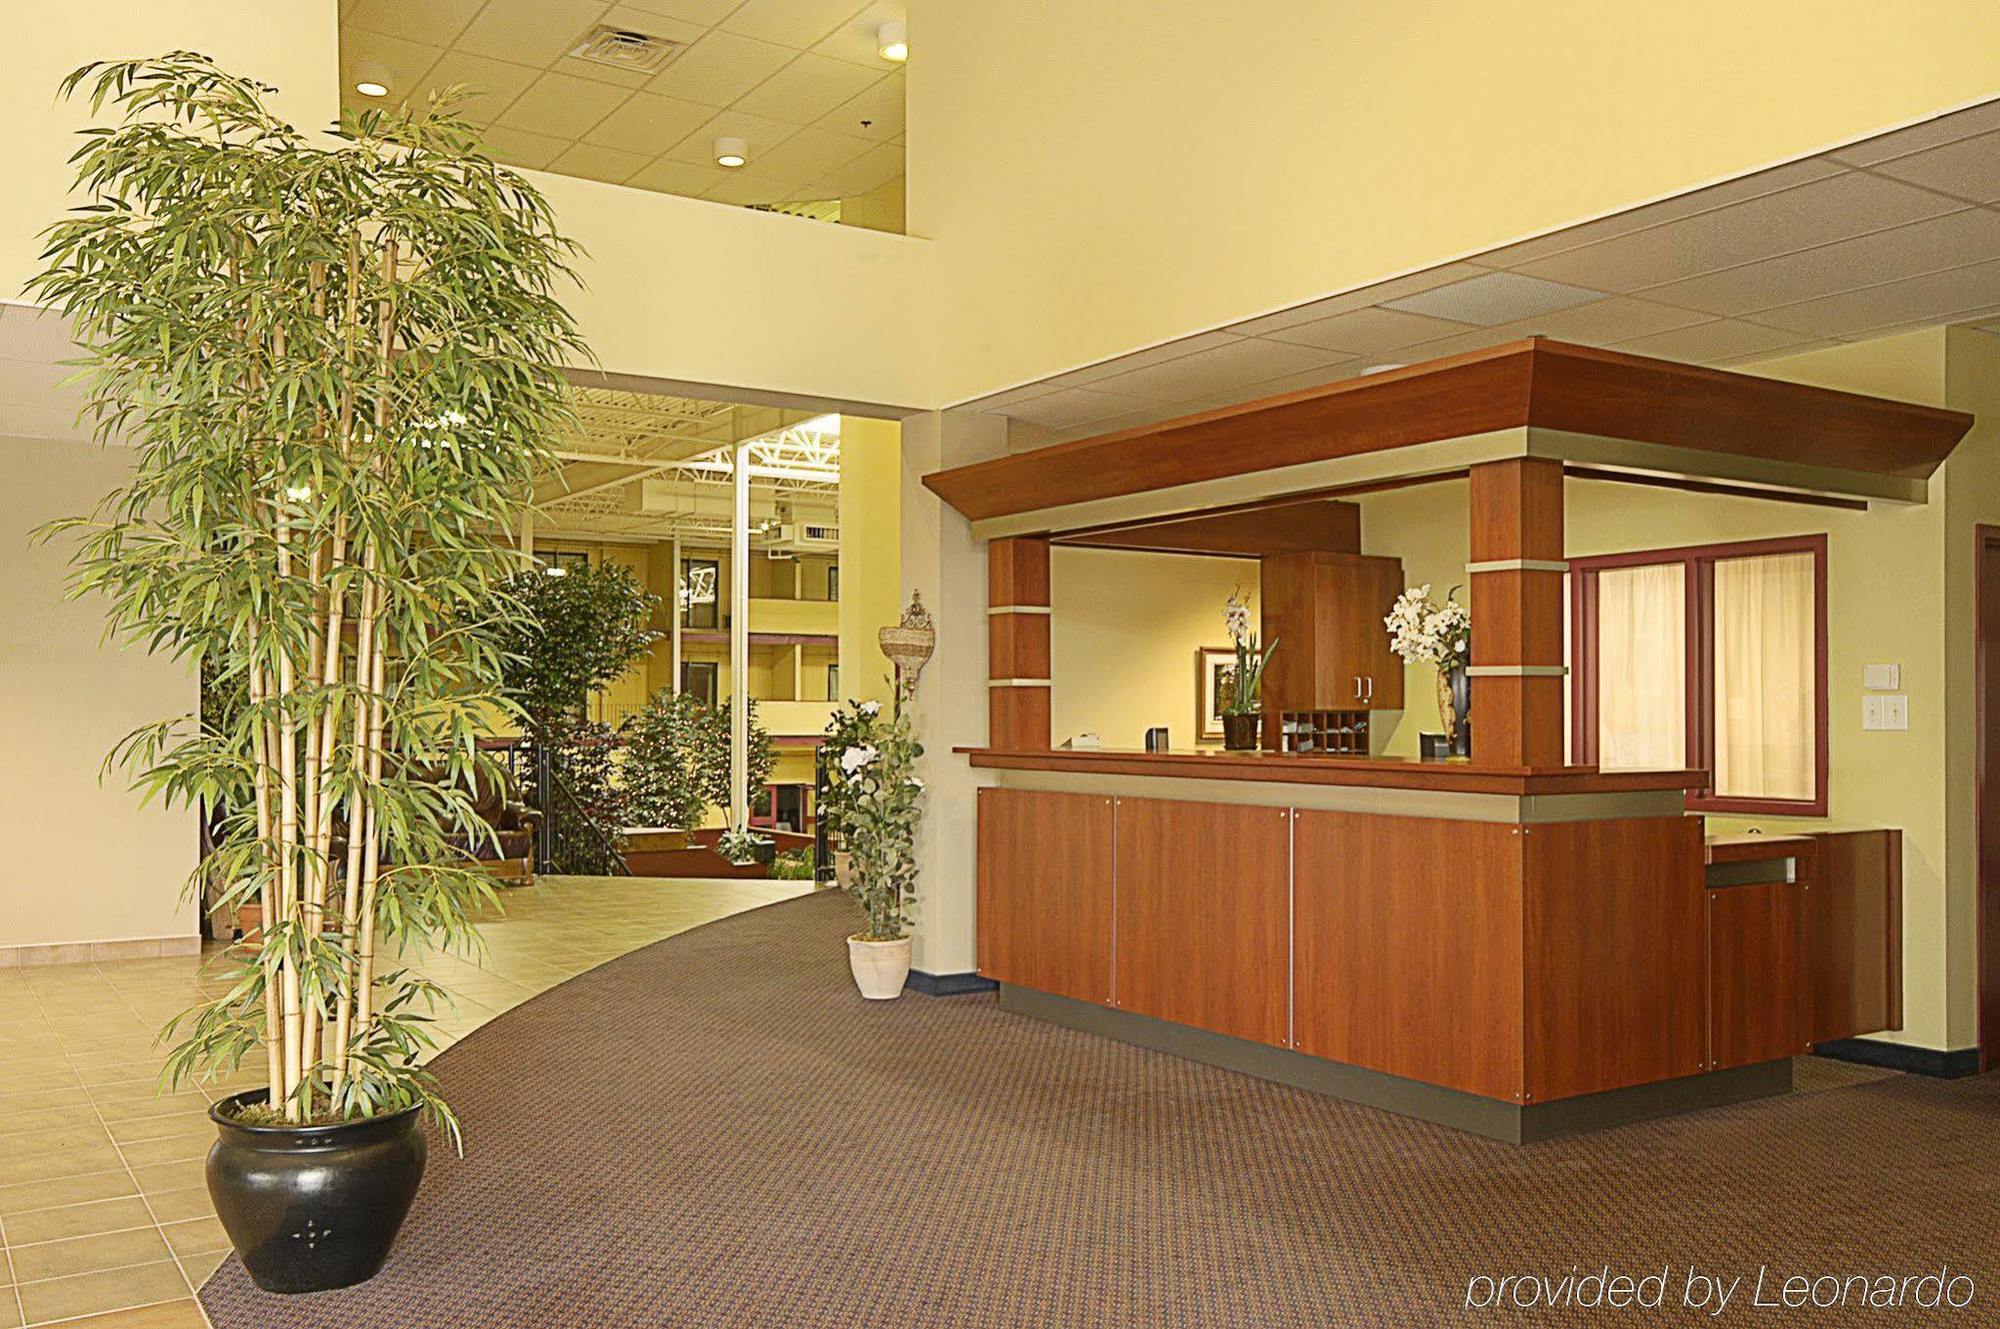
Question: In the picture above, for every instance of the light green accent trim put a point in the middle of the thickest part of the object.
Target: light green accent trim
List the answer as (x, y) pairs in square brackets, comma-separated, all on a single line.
[(992, 610), (1018, 683), (1516, 671), (1519, 565)]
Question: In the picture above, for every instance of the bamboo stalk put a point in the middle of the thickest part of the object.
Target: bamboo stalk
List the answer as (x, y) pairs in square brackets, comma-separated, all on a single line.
[(360, 814), (364, 996), (274, 1058), (288, 832)]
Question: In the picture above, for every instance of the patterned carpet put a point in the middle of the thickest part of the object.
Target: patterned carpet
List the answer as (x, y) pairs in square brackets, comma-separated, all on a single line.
[(716, 1131)]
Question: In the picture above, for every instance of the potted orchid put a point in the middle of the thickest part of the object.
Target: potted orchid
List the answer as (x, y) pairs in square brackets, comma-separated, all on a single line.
[(851, 727), (1241, 700), (880, 805), (1439, 634)]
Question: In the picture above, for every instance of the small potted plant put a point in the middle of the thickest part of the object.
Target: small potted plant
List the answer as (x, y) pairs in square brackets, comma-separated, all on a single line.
[(742, 846), (852, 726), (1423, 630), (1242, 698), (884, 804)]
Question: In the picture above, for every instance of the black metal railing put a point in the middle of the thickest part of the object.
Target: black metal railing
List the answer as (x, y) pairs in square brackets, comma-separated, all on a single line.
[(569, 839)]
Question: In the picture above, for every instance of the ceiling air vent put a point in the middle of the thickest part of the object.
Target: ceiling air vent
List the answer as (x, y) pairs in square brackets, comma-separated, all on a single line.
[(623, 48)]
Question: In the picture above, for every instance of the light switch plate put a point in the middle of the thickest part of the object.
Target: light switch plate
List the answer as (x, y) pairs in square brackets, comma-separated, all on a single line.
[(1885, 713), (1881, 677)]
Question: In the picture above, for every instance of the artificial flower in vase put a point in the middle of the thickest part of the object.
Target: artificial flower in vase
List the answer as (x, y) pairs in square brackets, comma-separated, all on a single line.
[(1241, 700), (1439, 634)]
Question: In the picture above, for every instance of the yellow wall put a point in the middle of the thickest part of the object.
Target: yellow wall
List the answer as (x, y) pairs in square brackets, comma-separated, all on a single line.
[(1159, 167), (871, 535), (84, 861), (1886, 605), (1123, 637)]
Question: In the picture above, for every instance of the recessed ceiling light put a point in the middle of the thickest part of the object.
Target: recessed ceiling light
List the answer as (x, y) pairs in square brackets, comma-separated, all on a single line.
[(892, 41), (731, 152), (1382, 369), (371, 79), (1494, 298)]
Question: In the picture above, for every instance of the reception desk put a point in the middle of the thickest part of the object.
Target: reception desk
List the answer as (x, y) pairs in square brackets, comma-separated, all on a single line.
[(1521, 954)]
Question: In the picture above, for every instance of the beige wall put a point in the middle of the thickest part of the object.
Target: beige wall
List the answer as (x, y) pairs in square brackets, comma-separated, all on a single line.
[(1123, 637), (1160, 167), (871, 536), (84, 861)]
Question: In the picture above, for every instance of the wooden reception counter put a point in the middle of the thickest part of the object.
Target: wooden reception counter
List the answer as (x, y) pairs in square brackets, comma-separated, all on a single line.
[(1513, 952)]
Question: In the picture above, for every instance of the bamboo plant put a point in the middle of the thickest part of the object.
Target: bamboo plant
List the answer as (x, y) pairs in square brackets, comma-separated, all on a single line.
[(334, 360)]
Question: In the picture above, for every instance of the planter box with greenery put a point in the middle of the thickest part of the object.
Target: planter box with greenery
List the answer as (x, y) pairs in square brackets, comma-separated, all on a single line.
[(336, 365)]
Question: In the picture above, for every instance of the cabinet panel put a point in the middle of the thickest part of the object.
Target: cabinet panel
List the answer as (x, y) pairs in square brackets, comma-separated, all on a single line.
[(1202, 915), (1325, 611), (1407, 947), (1045, 891), (1614, 963), (1757, 996), (1854, 933)]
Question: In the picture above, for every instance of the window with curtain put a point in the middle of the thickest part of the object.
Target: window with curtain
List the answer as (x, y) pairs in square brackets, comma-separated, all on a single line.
[(1709, 657)]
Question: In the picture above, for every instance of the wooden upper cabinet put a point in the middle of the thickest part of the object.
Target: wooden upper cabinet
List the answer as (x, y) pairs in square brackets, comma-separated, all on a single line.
[(1325, 611)]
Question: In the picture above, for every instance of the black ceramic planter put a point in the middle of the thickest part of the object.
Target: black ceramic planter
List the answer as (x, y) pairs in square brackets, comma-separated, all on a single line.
[(309, 1208)]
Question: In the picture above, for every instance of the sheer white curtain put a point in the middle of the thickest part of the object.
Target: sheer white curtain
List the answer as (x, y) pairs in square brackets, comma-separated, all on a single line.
[(1765, 669), (1642, 667)]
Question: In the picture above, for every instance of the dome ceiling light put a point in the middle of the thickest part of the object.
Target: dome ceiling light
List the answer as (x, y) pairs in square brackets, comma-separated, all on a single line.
[(731, 151), (892, 41)]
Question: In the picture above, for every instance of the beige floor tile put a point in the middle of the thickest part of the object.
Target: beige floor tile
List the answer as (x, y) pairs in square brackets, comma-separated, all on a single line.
[(72, 1096), (196, 1236), (176, 1206), (10, 1309), (28, 1196), (116, 1108), (165, 1315), (175, 1176), (186, 1144), (65, 1161), (162, 1127), (78, 1220), (104, 1290), (82, 1255), (201, 1268)]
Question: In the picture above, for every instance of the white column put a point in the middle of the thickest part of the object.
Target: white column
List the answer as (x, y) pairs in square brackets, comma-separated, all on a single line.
[(674, 615), (739, 643), (528, 536)]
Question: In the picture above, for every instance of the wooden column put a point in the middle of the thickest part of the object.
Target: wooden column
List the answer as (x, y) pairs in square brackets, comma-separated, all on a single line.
[(1017, 644), (1516, 574)]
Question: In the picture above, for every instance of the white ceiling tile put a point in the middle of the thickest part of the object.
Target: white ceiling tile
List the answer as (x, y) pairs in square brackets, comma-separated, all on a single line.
[(491, 85), (762, 135), (1011, 397), (521, 147), (807, 89), (1070, 407), (794, 23), (1492, 298), (1600, 323), (876, 113), (1689, 204), (1217, 369), (855, 39), (706, 13), (871, 170), (1368, 331), (1929, 134), (30, 332), (1152, 355), (434, 23), (648, 124), (1968, 169), (807, 156), (1934, 297), (530, 32), (671, 177), (563, 106), (407, 62), (720, 68), (1935, 244), (1796, 348), (1362, 298), (34, 383), (592, 162), (1836, 208), (1706, 343)]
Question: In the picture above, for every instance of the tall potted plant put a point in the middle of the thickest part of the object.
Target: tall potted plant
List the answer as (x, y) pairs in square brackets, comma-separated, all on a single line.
[(1438, 634), (881, 807), (1241, 705), (336, 366)]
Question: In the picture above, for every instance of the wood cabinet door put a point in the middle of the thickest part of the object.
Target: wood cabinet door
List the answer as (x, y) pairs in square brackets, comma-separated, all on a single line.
[(1854, 933), (1045, 887), (1202, 914), (1407, 947), (1374, 584), (1757, 996)]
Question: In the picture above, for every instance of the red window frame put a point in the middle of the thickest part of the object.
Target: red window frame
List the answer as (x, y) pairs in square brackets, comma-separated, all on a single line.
[(1699, 564)]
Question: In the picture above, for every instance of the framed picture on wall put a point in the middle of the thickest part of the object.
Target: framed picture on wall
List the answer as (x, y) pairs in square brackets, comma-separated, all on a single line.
[(1214, 667)]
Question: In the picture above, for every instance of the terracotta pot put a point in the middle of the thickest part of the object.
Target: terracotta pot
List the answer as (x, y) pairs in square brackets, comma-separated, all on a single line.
[(250, 922), (880, 968), (1239, 732)]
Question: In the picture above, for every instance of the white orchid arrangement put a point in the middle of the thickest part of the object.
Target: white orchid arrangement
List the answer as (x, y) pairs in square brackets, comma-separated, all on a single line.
[(1423, 629), (1248, 681)]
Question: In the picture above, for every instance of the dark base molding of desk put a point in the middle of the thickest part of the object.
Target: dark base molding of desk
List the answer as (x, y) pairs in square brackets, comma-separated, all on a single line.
[(1906, 1057), (948, 985), (1509, 1122)]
